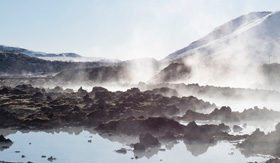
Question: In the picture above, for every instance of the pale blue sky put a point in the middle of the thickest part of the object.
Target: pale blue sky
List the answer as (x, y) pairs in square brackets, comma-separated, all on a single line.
[(122, 29)]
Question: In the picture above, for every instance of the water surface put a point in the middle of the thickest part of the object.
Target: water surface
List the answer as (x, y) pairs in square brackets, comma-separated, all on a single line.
[(72, 145)]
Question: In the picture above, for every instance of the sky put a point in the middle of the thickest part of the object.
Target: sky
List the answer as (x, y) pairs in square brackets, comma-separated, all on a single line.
[(118, 29)]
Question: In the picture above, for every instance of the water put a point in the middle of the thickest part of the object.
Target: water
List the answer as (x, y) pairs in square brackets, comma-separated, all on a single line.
[(71, 145)]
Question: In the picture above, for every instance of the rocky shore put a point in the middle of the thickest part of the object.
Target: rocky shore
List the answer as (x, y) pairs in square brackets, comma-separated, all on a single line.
[(153, 116)]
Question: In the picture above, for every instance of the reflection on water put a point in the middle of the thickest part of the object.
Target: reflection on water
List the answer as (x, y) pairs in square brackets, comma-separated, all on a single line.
[(79, 145), (197, 149), (251, 126)]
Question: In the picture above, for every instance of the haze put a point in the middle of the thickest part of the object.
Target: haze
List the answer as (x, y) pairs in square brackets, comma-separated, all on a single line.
[(116, 29)]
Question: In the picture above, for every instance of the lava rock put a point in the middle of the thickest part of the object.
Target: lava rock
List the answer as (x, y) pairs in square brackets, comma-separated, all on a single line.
[(4, 140), (274, 160), (122, 151), (138, 147), (237, 128), (51, 159)]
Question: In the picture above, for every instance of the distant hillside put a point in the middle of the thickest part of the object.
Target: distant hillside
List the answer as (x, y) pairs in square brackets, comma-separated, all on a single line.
[(17, 64), (130, 71), (97, 75), (7, 49)]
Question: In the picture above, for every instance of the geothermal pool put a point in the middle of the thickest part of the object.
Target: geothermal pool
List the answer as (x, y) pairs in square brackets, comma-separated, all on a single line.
[(83, 145)]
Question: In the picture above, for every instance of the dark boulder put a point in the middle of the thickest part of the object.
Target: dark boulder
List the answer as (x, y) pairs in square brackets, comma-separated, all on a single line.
[(4, 143), (87, 99), (273, 160), (98, 89), (200, 134), (224, 114), (57, 89), (38, 95), (224, 128), (7, 118), (5, 90), (135, 126), (133, 91), (122, 151), (81, 91), (138, 147), (4, 140), (237, 128)]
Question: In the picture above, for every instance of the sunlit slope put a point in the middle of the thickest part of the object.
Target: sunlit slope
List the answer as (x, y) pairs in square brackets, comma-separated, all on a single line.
[(255, 36)]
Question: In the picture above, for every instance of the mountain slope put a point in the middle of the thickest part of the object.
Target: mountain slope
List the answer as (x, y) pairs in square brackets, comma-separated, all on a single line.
[(7, 49), (255, 34)]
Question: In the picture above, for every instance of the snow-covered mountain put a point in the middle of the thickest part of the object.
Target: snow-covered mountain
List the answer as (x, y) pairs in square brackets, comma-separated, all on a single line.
[(65, 57), (7, 49), (80, 59), (255, 35)]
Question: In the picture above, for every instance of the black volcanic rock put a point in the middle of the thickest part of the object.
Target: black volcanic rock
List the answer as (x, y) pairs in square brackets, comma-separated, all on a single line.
[(192, 116), (99, 106), (165, 91), (122, 151), (138, 147), (129, 113), (98, 89), (133, 90), (4, 143), (261, 143), (224, 128), (259, 114), (87, 99), (224, 114), (7, 118), (195, 133), (5, 90), (173, 72), (135, 126), (57, 89), (199, 138), (237, 128), (214, 92), (273, 160), (4, 140), (82, 91), (208, 133)]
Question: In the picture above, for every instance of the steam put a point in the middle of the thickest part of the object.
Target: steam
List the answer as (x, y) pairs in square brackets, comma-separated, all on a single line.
[(234, 60), (142, 70), (226, 70), (233, 56)]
